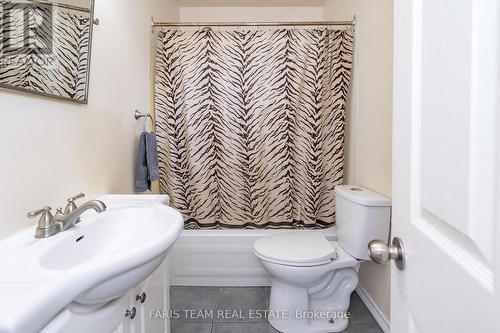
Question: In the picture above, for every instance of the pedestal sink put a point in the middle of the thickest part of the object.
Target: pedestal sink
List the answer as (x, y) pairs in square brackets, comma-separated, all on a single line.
[(93, 263)]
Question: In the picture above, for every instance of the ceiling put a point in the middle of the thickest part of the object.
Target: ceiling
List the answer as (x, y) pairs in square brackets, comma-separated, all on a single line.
[(251, 3)]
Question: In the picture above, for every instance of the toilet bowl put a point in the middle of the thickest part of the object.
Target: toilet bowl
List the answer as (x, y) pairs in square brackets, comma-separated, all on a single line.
[(312, 278)]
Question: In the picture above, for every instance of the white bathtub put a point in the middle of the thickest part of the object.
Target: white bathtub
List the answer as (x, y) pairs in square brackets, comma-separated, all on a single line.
[(220, 258)]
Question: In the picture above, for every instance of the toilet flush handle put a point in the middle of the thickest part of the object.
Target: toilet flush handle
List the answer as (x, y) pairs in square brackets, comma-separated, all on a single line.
[(380, 253)]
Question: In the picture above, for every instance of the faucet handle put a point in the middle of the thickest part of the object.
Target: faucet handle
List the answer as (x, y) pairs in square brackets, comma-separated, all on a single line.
[(45, 210), (46, 226), (78, 196), (71, 206)]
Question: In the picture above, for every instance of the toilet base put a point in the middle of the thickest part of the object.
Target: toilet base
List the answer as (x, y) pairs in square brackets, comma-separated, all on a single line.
[(320, 309)]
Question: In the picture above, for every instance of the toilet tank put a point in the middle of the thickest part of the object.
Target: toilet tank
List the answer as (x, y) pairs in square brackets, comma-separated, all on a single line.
[(361, 216)]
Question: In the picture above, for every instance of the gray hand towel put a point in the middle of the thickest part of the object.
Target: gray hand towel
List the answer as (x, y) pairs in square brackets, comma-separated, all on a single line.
[(152, 157), (147, 162)]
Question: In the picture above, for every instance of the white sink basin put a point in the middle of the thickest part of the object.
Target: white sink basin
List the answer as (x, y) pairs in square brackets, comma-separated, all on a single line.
[(96, 261)]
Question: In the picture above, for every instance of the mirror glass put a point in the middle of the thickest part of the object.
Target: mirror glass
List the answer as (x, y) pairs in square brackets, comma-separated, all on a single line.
[(45, 47)]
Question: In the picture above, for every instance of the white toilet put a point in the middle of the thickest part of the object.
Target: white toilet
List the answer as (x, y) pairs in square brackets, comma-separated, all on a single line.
[(313, 278)]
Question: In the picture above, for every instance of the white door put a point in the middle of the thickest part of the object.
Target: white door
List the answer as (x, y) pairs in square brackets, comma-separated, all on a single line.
[(446, 203)]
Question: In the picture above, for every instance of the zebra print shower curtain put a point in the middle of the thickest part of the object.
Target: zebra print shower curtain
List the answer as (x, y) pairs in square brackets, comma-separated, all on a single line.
[(250, 124)]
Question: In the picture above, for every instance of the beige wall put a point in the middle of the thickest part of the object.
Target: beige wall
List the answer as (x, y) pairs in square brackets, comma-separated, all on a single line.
[(251, 3), (370, 117), (52, 149), (258, 14)]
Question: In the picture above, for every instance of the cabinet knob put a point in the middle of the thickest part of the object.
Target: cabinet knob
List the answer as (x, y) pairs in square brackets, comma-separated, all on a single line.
[(141, 297), (131, 313)]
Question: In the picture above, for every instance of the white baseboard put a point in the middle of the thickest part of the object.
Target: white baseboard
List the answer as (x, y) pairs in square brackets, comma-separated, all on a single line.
[(382, 321)]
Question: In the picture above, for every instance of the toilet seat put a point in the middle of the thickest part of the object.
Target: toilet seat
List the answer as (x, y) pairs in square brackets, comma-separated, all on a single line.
[(298, 248)]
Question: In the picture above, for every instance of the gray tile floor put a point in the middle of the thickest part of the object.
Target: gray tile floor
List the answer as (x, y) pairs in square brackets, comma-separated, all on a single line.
[(229, 310)]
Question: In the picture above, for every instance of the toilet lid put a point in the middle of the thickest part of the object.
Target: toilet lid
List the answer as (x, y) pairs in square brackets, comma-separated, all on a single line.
[(296, 247)]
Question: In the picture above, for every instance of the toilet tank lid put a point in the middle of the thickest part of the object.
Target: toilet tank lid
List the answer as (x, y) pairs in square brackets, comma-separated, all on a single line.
[(362, 196)]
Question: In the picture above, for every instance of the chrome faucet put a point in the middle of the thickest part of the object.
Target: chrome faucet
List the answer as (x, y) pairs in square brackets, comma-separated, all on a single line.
[(71, 215), (49, 224)]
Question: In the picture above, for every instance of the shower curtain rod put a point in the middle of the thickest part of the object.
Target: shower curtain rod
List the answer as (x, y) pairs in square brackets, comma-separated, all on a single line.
[(61, 5), (251, 24)]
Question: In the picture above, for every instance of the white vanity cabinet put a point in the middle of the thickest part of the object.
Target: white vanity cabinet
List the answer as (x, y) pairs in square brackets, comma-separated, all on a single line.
[(150, 297), (156, 293), (116, 317)]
